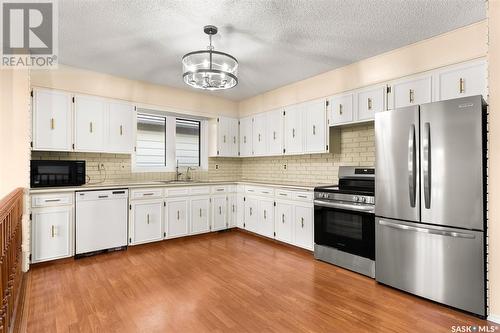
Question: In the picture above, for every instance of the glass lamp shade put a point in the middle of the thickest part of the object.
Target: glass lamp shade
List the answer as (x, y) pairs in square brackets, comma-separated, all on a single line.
[(210, 70)]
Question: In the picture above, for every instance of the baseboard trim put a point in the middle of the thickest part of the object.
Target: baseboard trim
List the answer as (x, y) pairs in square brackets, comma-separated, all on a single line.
[(494, 318)]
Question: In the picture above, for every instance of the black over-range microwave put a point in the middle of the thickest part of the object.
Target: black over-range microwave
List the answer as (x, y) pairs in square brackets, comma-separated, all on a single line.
[(57, 173)]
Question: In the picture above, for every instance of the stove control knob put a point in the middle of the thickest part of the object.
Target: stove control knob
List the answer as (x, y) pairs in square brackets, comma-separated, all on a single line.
[(356, 199), (363, 200)]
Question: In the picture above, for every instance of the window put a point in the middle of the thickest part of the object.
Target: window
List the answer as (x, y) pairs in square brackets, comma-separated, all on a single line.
[(187, 142), (151, 141), (166, 140)]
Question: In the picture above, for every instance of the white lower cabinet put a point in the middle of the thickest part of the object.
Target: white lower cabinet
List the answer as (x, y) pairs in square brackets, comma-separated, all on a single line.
[(232, 210), (200, 215), (146, 221), (240, 207), (219, 207), (303, 226), (283, 219), (251, 214), (177, 217), (52, 233), (266, 218)]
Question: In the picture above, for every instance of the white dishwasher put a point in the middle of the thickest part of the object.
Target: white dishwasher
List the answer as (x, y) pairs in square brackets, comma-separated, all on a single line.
[(101, 220)]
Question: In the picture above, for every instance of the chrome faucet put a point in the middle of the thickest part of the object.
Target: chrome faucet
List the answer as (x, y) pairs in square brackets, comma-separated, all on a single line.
[(177, 173)]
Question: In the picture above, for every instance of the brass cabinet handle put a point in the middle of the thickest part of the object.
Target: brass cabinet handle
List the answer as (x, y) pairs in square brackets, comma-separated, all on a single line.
[(259, 137), (178, 215), (462, 85), (224, 139), (274, 135), (302, 221), (412, 95), (244, 139), (52, 123), (121, 129), (340, 109), (369, 103), (265, 215), (53, 231), (91, 127), (250, 211), (283, 218), (234, 139), (314, 129), (293, 132), (220, 210), (148, 218), (200, 212)]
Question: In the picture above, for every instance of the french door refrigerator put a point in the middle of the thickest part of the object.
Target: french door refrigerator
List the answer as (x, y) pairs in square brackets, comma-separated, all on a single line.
[(430, 201)]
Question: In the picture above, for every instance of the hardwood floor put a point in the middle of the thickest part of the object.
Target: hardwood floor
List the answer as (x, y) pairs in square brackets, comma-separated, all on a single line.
[(220, 282)]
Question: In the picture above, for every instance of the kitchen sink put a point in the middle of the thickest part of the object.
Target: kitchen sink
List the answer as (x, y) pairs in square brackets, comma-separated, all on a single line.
[(179, 181)]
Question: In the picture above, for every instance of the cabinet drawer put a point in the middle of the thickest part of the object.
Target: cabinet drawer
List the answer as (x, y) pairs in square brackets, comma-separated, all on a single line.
[(259, 190), (231, 188), (146, 193), (177, 191), (200, 190), (303, 196), (283, 194), (52, 199), (219, 189)]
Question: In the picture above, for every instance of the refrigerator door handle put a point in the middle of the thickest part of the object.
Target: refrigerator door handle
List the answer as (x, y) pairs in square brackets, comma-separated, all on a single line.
[(427, 230), (412, 165), (426, 164)]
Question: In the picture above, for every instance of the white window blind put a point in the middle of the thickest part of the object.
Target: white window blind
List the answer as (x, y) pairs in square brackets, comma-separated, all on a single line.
[(187, 142), (151, 141)]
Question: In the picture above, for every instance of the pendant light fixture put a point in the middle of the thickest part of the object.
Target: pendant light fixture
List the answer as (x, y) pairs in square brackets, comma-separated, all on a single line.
[(209, 69)]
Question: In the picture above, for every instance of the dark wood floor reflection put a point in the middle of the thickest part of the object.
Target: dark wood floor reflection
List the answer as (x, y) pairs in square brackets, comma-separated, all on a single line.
[(220, 282)]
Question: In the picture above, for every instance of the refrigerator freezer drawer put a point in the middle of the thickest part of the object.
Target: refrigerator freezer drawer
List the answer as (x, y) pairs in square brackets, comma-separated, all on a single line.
[(442, 264)]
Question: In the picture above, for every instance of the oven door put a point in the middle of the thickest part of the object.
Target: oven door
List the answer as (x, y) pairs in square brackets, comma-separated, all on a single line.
[(347, 227)]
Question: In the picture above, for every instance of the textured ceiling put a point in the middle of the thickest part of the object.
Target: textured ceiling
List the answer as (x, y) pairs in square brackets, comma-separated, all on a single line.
[(276, 41)]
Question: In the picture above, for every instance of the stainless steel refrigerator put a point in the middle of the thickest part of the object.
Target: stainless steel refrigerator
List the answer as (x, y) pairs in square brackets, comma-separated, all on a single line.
[(430, 201)]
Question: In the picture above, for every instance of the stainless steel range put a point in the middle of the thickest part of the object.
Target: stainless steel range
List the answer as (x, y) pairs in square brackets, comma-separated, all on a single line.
[(344, 221)]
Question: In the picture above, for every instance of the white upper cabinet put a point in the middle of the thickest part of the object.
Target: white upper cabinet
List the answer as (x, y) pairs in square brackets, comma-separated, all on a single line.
[(90, 116), (341, 109), (315, 126), (259, 135), (121, 128), (294, 143), (370, 101), (52, 120), (224, 137), (462, 80), (246, 136), (413, 91), (274, 134)]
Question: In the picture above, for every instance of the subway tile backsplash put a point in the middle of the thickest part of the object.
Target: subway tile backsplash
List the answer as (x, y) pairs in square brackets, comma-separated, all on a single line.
[(350, 145)]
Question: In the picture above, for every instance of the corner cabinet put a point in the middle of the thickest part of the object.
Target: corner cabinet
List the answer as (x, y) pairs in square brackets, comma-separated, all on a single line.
[(52, 120), (223, 137)]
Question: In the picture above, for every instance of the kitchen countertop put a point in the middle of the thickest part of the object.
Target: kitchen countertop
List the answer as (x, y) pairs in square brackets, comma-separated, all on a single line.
[(146, 184)]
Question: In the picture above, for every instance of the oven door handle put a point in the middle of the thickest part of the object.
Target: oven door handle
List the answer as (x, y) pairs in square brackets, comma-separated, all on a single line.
[(346, 206)]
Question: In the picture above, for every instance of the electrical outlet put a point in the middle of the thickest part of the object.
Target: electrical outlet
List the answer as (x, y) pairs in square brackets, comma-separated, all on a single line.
[(285, 166), (122, 165), (100, 166), (216, 167)]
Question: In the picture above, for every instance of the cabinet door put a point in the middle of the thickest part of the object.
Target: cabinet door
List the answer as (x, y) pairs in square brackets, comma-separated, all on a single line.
[(283, 220), (462, 81), (412, 92), (232, 210), (120, 128), (234, 147), (246, 136), (147, 221), (266, 218), (52, 120), (52, 233), (341, 109), (293, 129), (274, 121), (304, 227), (251, 213), (200, 221), (369, 102), (315, 132), (89, 123), (259, 135), (240, 210), (219, 215), (177, 210), (223, 147)]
